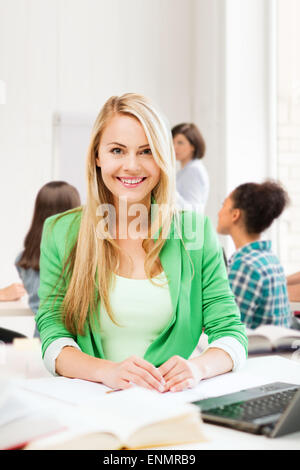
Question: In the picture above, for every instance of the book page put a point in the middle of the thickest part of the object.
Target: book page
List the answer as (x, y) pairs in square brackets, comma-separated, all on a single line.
[(126, 411), (274, 332), (17, 406), (120, 412), (83, 407)]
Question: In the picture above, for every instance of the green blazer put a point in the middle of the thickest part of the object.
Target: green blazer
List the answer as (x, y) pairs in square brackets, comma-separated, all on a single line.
[(200, 294)]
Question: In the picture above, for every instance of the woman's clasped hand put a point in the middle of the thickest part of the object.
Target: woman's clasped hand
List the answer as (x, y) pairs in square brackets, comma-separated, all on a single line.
[(174, 375)]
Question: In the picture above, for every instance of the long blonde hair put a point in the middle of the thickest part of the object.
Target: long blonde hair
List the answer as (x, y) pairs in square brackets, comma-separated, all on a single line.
[(94, 258)]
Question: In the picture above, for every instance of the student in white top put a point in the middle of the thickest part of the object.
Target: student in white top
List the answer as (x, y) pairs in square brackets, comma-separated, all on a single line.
[(192, 181)]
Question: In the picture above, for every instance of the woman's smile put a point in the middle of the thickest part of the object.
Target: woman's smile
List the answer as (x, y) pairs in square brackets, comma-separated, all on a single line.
[(131, 181)]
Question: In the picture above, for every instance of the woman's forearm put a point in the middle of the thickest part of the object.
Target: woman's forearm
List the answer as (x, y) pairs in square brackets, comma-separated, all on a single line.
[(294, 292), (73, 363), (212, 362), (293, 279)]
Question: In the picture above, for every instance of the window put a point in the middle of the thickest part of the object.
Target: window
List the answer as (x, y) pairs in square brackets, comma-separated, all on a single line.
[(288, 82)]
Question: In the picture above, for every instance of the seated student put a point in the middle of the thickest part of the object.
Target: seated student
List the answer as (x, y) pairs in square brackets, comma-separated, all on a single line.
[(124, 298), (255, 274), (192, 181), (293, 286), (53, 198), (12, 292)]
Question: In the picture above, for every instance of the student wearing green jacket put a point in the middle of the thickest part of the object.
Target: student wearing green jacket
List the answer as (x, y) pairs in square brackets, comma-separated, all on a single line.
[(127, 282)]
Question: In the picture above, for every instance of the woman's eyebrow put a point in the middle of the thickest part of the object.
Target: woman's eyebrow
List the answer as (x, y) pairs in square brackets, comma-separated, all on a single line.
[(122, 145), (116, 143), (142, 146)]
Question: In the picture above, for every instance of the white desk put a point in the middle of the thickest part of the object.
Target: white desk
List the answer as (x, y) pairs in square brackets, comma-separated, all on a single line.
[(272, 368), (17, 316), (295, 306), (16, 308), (267, 369), (221, 438)]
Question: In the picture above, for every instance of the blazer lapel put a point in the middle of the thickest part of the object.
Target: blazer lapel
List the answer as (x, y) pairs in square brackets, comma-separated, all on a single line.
[(170, 258)]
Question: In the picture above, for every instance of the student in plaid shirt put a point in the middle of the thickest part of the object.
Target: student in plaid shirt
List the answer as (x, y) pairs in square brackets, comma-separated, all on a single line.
[(255, 274)]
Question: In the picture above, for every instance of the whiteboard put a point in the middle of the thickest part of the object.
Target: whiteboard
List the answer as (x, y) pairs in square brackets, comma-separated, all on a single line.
[(71, 138)]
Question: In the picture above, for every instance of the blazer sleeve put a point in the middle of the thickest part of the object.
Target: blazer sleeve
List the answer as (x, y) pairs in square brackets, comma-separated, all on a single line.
[(51, 291), (221, 315)]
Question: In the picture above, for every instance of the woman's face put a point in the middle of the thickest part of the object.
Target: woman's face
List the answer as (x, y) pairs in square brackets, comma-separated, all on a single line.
[(184, 150), (128, 168)]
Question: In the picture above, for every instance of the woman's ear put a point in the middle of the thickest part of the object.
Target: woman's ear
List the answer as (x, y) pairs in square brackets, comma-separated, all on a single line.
[(236, 215)]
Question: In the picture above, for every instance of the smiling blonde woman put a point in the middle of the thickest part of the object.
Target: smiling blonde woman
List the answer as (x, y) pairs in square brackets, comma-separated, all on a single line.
[(129, 309)]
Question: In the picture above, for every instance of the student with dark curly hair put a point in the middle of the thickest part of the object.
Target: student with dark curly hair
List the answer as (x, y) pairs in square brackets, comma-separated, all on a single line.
[(255, 274)]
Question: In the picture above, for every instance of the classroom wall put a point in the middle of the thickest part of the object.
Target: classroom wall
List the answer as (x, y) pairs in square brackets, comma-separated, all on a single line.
[(289, 129), (68, 56), (235, 95)]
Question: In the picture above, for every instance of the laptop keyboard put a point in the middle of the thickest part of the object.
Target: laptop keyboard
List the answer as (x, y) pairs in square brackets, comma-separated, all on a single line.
[(256, 408)]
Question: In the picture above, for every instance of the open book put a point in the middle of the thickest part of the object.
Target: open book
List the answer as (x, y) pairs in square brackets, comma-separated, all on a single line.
[(268, 338), (134, 418)]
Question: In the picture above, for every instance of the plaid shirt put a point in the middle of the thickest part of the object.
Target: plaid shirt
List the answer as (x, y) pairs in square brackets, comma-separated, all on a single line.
[(258, 282)]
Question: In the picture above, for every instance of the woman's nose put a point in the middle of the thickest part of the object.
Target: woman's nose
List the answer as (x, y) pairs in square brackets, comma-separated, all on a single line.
[(132, 162)]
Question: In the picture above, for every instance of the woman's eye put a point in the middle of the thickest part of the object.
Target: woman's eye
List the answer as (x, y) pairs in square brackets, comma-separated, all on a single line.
[(146, 152), (116, 151)]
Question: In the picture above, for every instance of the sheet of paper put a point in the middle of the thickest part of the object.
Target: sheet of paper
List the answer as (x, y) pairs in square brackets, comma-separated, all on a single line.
[(258, 371), (216, 386), (73, 391)]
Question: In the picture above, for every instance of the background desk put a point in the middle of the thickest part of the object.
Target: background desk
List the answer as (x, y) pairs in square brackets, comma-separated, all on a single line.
[(295, 306), (17, 316)]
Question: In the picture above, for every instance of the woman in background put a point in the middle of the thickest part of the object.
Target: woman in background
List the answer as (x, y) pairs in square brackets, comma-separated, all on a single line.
[(192, 179), (53, 198), (255, 274)]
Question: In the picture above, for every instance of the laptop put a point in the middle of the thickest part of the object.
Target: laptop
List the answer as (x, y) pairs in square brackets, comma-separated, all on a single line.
[(272, 409)]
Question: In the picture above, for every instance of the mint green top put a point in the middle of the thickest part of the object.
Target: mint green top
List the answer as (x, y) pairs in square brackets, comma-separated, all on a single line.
[(139, 323), (201, 300)]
